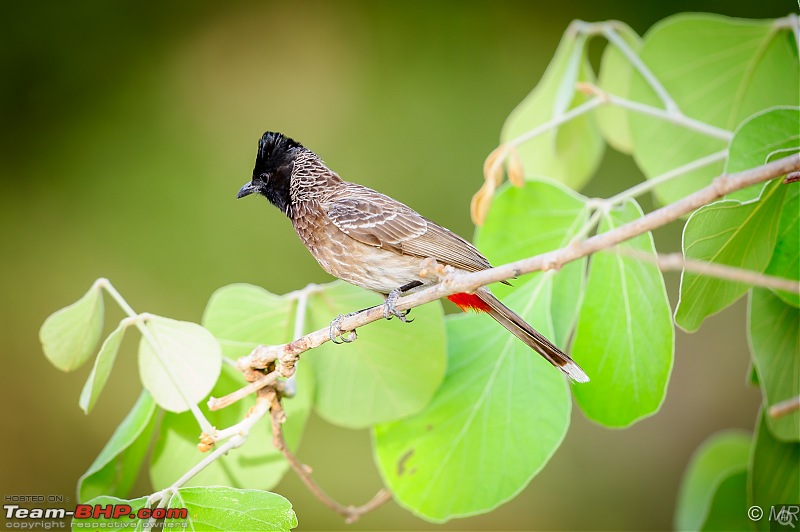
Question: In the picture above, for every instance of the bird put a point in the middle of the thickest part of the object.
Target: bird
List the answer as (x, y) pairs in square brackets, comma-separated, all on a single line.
[(373, 241)]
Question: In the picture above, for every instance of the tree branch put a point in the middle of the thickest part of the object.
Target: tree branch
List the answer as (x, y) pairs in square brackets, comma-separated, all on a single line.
[(350, 513)]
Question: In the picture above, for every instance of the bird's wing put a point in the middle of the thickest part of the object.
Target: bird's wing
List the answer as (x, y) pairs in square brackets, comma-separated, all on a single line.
[(378, 220)]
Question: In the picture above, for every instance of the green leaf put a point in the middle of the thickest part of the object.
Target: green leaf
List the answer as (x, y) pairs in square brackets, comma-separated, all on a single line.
[(731, 233), (70, 336), (243, 316), (539, 217), (498, 417), (774, 335), (728, 510), (183, 365), (615, 78), (785, 260), (720, 457), (571, 152), (624, 339), (256, 464), (117, 466), (391, 371), (774, 472), (735, 62), (102, 368), (223, 508), (769, 134)]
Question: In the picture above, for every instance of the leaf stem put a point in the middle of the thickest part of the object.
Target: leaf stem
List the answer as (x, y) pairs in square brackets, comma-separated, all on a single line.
[(583, 108), (792, 22), (649, 184), (676, 118), (290, 385), (677, 262), (237, 435), (784, 408), (610, 33), (139, 320)]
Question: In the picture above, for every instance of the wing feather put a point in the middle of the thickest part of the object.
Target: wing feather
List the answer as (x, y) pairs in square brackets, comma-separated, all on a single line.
[(378, 220)]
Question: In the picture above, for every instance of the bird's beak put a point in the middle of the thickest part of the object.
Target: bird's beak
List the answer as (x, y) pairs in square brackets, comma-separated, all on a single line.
[(246, 190)]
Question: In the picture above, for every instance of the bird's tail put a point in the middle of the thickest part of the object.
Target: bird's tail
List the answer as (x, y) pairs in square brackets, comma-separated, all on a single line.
[(484, 300)]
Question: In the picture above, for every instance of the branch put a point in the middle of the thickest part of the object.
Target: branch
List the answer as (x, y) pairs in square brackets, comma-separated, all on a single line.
[(676, 261), (350, 513), (237, 435), (453, 282), (784, 408)]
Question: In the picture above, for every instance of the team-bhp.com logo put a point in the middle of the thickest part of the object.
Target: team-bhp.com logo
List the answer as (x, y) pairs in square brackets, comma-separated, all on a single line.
[(118, 511), (85, 512)]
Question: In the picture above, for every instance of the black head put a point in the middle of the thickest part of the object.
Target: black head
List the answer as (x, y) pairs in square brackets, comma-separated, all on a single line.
[(273, 169)]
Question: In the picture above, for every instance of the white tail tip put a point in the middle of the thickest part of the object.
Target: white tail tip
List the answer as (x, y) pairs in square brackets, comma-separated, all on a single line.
[(574, 372)]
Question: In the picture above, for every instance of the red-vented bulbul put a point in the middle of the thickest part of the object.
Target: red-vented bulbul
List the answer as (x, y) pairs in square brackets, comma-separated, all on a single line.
[(372, 241)]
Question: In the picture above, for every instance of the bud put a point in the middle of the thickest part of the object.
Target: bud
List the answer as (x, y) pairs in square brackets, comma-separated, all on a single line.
[(516, 173), (481, 202)]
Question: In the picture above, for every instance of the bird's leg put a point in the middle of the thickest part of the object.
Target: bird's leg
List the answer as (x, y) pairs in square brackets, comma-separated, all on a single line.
[(335, 330), (389, 309)]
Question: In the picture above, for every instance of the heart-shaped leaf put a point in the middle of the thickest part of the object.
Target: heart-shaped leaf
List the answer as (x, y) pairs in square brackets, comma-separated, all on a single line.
[(624, 339), (179, 362), (70, 336), (391, 371)]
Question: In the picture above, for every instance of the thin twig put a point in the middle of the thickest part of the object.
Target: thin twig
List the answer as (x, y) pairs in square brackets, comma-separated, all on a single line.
[(646, 186), (222, 402), (610, 33), (575, 112), (784, 408), (792, 22), (237, 436), (676, 261), (674, 117), (456, 282), (350, 513), (219, 403)]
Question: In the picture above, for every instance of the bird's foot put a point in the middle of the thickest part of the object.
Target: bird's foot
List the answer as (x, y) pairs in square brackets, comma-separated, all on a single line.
[(335, 331), (389, 309)]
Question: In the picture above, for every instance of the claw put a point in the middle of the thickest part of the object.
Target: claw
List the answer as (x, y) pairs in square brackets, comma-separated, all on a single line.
[(336, 334), (389, 310)]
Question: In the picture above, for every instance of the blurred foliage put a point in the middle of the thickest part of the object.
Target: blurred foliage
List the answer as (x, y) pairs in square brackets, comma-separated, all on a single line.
[(127, 130)]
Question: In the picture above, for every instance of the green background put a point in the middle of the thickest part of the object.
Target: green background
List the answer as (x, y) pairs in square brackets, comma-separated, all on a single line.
[(127, 129)]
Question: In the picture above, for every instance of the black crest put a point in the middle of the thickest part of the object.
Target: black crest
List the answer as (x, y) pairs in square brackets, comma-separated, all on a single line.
[(273, 169), (273, 148)]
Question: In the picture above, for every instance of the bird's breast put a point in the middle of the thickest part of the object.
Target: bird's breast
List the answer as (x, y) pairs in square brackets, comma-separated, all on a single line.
[(369, 267)]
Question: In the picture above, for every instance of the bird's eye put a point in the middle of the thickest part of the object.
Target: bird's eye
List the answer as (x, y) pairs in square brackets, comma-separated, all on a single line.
[(264, 177)]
